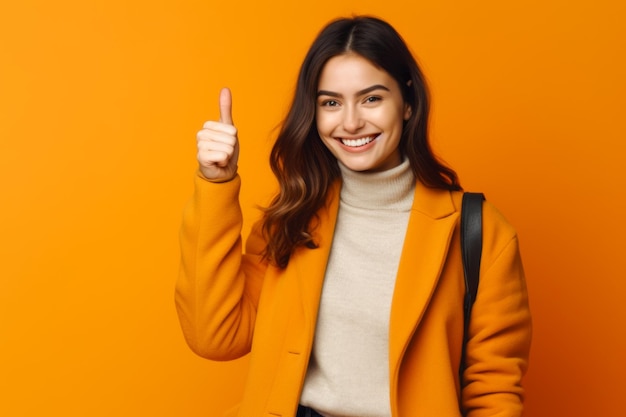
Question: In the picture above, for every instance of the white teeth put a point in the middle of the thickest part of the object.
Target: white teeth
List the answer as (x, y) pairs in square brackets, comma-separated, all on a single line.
[(355, 143)]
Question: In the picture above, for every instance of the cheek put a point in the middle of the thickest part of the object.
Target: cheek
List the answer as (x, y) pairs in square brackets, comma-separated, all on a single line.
[(324, 123), (322, 131), (318, 121), (402, 116), (390, 119)]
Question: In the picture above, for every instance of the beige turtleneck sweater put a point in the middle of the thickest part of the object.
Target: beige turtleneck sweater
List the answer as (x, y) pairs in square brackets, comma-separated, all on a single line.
[(348, 374)]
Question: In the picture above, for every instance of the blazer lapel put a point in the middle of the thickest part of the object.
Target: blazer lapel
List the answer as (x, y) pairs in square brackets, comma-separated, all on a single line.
[(431, 225), (311, 264)]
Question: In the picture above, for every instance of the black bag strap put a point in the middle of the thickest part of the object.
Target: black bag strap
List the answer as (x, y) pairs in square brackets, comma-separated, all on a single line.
[(471, 249)]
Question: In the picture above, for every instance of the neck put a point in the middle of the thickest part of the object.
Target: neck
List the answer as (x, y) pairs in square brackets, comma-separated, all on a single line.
[(389, 190)]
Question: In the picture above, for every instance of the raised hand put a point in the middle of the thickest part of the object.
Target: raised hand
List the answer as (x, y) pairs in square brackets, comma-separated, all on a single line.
[(218, 146)]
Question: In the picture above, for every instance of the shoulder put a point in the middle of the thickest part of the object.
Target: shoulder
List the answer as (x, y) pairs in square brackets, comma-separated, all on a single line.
[(499, 236), (494, 221)]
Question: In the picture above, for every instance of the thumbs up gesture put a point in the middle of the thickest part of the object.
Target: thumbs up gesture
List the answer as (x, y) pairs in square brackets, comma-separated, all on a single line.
[(218, 146)]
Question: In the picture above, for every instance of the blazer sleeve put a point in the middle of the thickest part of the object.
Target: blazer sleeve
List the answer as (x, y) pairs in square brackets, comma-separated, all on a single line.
[(218, 287), (500, 327)]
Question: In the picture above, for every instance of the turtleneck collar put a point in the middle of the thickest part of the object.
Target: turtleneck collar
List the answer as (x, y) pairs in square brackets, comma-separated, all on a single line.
[(386, 190)]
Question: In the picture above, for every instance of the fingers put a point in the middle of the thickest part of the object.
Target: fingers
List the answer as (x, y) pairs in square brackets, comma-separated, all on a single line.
[(217, 152), (208, 157), (218, 146), (223, 134), (219, 129), (226, 106), (217, 136)]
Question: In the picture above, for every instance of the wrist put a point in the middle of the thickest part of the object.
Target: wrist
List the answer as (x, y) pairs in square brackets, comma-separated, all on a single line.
[(217, 180)]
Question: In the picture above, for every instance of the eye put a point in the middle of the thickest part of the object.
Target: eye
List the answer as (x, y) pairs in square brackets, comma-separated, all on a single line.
[(372, 99), (330, 103)]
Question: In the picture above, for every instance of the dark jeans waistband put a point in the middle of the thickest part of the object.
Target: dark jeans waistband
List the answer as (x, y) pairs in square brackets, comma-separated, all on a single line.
[(307, 412)]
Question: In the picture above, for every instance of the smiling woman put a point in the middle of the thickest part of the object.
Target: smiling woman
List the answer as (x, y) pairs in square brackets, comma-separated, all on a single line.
[(361, 112), (338, 320), (305, 166)]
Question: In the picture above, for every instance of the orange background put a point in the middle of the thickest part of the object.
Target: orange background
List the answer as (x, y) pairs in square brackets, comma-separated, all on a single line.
[(99, 105)]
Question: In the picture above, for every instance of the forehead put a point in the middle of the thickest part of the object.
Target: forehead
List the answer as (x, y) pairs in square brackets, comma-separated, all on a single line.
[(352, 71)]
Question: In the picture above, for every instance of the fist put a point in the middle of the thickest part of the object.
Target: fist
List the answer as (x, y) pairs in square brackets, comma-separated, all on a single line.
[(218, 146)]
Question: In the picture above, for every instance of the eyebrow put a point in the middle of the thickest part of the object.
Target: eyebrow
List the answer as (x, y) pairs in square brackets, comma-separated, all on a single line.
[(358, 93)]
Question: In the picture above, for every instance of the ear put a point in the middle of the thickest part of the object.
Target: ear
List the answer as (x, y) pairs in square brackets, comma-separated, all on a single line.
[(408, 111)]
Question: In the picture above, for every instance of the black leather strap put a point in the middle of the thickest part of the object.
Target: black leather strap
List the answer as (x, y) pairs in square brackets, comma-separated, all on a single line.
[(471, 247), (307, 412)]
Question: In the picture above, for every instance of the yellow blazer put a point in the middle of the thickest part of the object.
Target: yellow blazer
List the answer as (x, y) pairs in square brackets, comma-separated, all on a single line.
[(231, 304)]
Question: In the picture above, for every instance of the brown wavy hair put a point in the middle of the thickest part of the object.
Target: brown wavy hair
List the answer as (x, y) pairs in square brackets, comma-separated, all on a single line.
[(305, 168)]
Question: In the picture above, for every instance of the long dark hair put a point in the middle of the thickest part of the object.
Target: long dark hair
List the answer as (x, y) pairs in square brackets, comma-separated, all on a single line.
[(305, 168)]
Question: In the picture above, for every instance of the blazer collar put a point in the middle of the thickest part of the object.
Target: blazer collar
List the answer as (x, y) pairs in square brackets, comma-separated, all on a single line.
[(429, 233), (311, 264), (433, 202)]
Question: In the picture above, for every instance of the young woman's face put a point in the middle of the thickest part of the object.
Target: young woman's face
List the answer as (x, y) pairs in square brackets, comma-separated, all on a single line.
[(360, 113)]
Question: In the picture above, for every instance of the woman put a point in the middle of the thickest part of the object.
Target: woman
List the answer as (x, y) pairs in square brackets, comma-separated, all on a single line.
[(349, 295)]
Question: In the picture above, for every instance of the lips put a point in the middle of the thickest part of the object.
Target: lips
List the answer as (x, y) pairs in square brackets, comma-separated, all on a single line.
[(357, 142)]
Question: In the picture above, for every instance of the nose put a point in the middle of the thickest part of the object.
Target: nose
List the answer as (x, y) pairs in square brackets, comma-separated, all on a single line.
[(352, 119)]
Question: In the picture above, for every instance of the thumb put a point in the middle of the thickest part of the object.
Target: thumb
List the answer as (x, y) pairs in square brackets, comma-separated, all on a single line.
[(226, 106)]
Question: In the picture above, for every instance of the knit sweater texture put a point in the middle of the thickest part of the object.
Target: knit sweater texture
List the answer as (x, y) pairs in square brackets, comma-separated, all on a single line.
[(348, 373)]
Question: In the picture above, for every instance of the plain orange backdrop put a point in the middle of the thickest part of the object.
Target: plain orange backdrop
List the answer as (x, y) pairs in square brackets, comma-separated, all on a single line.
[(99, 105)]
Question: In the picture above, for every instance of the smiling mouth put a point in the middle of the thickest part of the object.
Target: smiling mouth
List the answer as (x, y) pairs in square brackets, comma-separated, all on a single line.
[(355, 143)]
